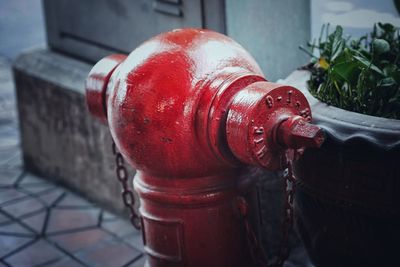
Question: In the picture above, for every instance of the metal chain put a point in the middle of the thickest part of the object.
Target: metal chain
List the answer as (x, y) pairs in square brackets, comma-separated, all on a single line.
[(257, 252), (127, 194), (287, 224)]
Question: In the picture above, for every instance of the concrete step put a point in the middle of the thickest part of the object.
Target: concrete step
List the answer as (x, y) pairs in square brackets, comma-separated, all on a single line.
[(60, 140)]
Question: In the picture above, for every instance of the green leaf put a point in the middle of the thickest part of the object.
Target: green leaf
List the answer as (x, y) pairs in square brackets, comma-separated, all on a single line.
[(387, 82), (396, 76), (368, 64), (346, 70), (337, 43), (387, 27), (392, 71), (362, 75), (380, 46)]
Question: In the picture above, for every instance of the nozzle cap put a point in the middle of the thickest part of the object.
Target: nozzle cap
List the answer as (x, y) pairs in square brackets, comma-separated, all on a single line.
[(96, 85)]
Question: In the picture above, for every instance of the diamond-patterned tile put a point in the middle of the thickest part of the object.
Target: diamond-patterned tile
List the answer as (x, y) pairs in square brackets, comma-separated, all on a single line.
[(9, 177), (135, 240), (10, 129), (8, 114), (14, 228), (74, 242), (66, 262), (8, 151), (74, 201), (109, 254), (71, 219), (7, 141), (14, 163), (36, 222), (4, 219), (37, 189), (10, 195), (107, 217), (30, 179), (24, 207), (38, 253), (139, 262), (9, 243), (10, 158), (12, 237), (119, 227), (50, 197)]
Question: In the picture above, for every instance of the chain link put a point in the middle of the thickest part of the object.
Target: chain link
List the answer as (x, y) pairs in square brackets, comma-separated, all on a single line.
[(257, 252), (287, 224), (128, 197)]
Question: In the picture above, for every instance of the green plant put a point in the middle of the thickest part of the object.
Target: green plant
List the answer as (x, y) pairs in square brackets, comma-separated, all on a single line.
[(361, 75)]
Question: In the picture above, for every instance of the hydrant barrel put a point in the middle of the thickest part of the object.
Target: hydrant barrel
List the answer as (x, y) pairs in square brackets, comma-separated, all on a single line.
[(190, 109)]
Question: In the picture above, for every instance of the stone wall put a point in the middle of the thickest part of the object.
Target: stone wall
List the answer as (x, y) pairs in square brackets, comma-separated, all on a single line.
[(60, 140)]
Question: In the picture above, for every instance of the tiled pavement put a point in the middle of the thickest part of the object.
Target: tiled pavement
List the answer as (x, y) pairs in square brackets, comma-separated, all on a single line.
[(42, 224)]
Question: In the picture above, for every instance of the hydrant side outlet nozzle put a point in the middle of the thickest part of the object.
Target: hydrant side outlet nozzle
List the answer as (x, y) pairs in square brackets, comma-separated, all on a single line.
[(97, 83), (189, 109), (265, 119)]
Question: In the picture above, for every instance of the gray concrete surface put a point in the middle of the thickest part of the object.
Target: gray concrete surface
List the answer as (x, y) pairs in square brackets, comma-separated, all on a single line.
[(45, 225), (60, 140)]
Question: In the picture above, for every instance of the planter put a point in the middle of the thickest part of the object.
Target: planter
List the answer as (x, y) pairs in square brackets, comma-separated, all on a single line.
[(348, 195)]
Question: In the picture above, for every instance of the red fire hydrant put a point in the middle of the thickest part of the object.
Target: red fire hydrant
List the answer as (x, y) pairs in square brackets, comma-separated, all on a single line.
[(189, 109)]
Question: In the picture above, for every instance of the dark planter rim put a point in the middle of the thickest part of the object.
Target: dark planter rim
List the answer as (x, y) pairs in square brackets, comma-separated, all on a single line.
[(345, 126)]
